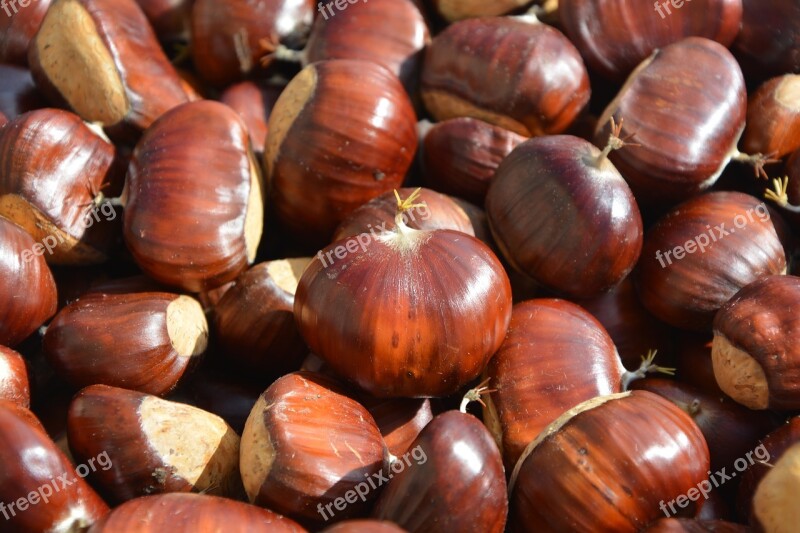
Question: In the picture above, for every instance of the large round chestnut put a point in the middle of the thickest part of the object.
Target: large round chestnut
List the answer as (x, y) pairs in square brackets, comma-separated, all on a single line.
[(702, 252), (453, 461), (342, 132), (193, 198), (613, 463), (14, 386), (562, 214), (686, 104), (755, 352), (614, 37), (406, 313), (514, 72), (27, 287)]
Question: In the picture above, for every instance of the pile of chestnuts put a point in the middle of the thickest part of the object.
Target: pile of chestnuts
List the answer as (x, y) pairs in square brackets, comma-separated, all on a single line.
[(385, 266)]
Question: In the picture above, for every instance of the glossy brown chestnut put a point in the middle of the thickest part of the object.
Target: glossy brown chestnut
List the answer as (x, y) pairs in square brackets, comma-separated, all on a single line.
[(702, 252), (40, 490), (775, 501), (461, 155), (755, 352), (364, 526), (254, 320), (192, 512), (228, 38), (253, 102), (170, 20), (411, 313), (400, 420), (306, 445), (562, 214), (362, 33), (342, 133), (53, 169), (455, 462), (152, 445), (27, 288), (609, 464), (436, 211), (686, 104), (14, 386), (514, 72), (615, 37), (117, 62), (193, 198), (454, 10), (767, 44), (18, 28), (143, 341), (773, 117), (688, 525)]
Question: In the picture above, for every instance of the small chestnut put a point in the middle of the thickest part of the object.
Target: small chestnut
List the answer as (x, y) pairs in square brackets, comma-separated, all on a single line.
[(773, 117), (14, 386)]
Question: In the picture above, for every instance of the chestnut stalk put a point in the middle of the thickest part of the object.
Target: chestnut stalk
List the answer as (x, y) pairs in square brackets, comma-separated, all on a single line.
[(406, 312)]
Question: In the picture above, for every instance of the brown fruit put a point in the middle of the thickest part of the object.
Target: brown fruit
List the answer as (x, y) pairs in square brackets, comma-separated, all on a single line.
[(14, 385), (773, 117)]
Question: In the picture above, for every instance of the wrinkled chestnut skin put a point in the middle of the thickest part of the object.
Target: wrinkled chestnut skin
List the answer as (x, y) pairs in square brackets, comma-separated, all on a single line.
[(513, 72), (686, 292), (614, 37), (563, 217), (768, 43), (608, 467), (461, 155), (192, 512), (762, 320), (30, 461), (27, 288), (462, 464), (555, 356), (773, 118), (687, 105), (14, 386), (688, 525)]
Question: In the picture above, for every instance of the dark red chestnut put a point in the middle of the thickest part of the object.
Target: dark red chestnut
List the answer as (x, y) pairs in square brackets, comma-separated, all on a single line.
[(406, 313), (170, 20), (112, 46), (773, 117), (400, 420), (688, 525), (192, 512), (193, 198), (767, 44), (755, 352), (18, 27), (342, 133), (14, 385), (305, 448), (460, 156), (40, 490), (27, 288), (453, 462), (454, 10), (562, 214), (702, 252), (693, 364), (613, 463), (364, 526), (614, 38), (254, 319), (152, 445), (514, 72), (253, 102), (141, 341), (775, 501)]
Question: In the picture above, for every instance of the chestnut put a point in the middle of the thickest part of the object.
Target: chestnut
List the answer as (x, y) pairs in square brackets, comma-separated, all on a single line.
[(400, 420), (773, 117), (460, 156), (702, 252), (194, 210), (18, 28), (117, 61), (40, 490), (686, 104), (27, 288), (561, 213), (614, 38), (766, 45), (225, 394), (253, 102), (324, 159), (305, 447), (693, 364), (455, 10), (435, 211), (152, 445), (406, 313), (514, 72), (612, 463), (192, 512), (254, 320), (755, 354), (453, 461), (688, 525), (170, 20), (364, 526), (14, 386), (775, 501), (54, 169), (143, 341)]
